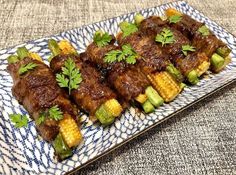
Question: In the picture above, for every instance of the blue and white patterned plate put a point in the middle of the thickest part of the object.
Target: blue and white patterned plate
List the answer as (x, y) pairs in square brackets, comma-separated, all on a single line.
[(22, 152)]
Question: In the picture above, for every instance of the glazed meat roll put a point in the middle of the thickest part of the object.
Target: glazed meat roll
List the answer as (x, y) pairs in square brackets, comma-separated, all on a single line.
[(35, 87), (202, 39), (92, 95)]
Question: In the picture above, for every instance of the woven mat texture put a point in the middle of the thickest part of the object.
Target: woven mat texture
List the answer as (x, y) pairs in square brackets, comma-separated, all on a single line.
[(200, 140)]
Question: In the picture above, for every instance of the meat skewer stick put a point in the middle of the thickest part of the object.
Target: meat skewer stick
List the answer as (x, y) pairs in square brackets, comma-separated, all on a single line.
[(191, 64), (92, 96), (35, 87), (202, 38)]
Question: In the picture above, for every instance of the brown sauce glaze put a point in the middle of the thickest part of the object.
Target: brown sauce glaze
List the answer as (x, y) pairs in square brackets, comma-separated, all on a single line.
[(91, 93), (37, 90)]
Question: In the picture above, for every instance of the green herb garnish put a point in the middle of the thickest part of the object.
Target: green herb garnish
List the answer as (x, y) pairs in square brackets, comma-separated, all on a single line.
[(187, 48), (101, 38), (127, 54), (70, 76), (204, 30), (26, 67), (22, 52), (127, 28), (19, 120), (55, 113), (165, 37), (41, 118), (175, 18)]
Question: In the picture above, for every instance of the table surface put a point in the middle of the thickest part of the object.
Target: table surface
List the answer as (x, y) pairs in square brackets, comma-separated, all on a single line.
[(200, 140)]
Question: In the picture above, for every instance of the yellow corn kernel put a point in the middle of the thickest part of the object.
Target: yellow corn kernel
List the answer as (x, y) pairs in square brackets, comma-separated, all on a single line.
[(113, 107), (166, 86), (66, 47), (202, 68), (35, 56), (141, 98), (171, 12), (70, 131)]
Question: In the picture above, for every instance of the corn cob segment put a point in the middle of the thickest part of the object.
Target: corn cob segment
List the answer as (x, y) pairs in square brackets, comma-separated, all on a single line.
[(171, 12), (166, 86), (113, 107), (70, 131), (66, 47), (35, 56), (202, 68), (141, 98)]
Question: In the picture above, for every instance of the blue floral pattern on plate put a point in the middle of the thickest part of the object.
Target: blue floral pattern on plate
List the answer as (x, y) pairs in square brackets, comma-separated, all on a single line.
[(22, 152)]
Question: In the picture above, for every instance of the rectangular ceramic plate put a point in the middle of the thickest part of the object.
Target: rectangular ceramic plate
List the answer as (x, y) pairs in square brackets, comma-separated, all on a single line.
[(21, 152)]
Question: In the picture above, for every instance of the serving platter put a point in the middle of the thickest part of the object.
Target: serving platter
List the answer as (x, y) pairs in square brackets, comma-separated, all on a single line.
[(23, 152)]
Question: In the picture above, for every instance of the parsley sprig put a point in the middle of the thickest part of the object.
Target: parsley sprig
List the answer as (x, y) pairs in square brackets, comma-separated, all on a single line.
[(165, 37), (26, 67), (41, 118), (70, 76), (19, 120), (101, 38), (204, 30), (53, 113), (126, 54), (175, 18), (187, 48), (127, 28)]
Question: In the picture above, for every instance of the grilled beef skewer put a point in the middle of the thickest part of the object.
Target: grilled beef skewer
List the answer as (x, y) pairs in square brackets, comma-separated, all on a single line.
[(127, 79), (193, 64), (92, 96), (37, 90), (202, 38)]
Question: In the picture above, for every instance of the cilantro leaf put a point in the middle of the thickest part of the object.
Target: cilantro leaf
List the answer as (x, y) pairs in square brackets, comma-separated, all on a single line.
[(55, 113), (112, 56), (128, 50), (62, 80), (165, 37), (175, 18), (127, 28), (19, 120), (186, 48), (131, 59), (70, 76), (41, 118), (204, 30), (26, 67), (126, 54), (101, 39)]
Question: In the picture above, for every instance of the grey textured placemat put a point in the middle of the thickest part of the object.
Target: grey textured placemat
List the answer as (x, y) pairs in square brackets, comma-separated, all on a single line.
[(200, 140)]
